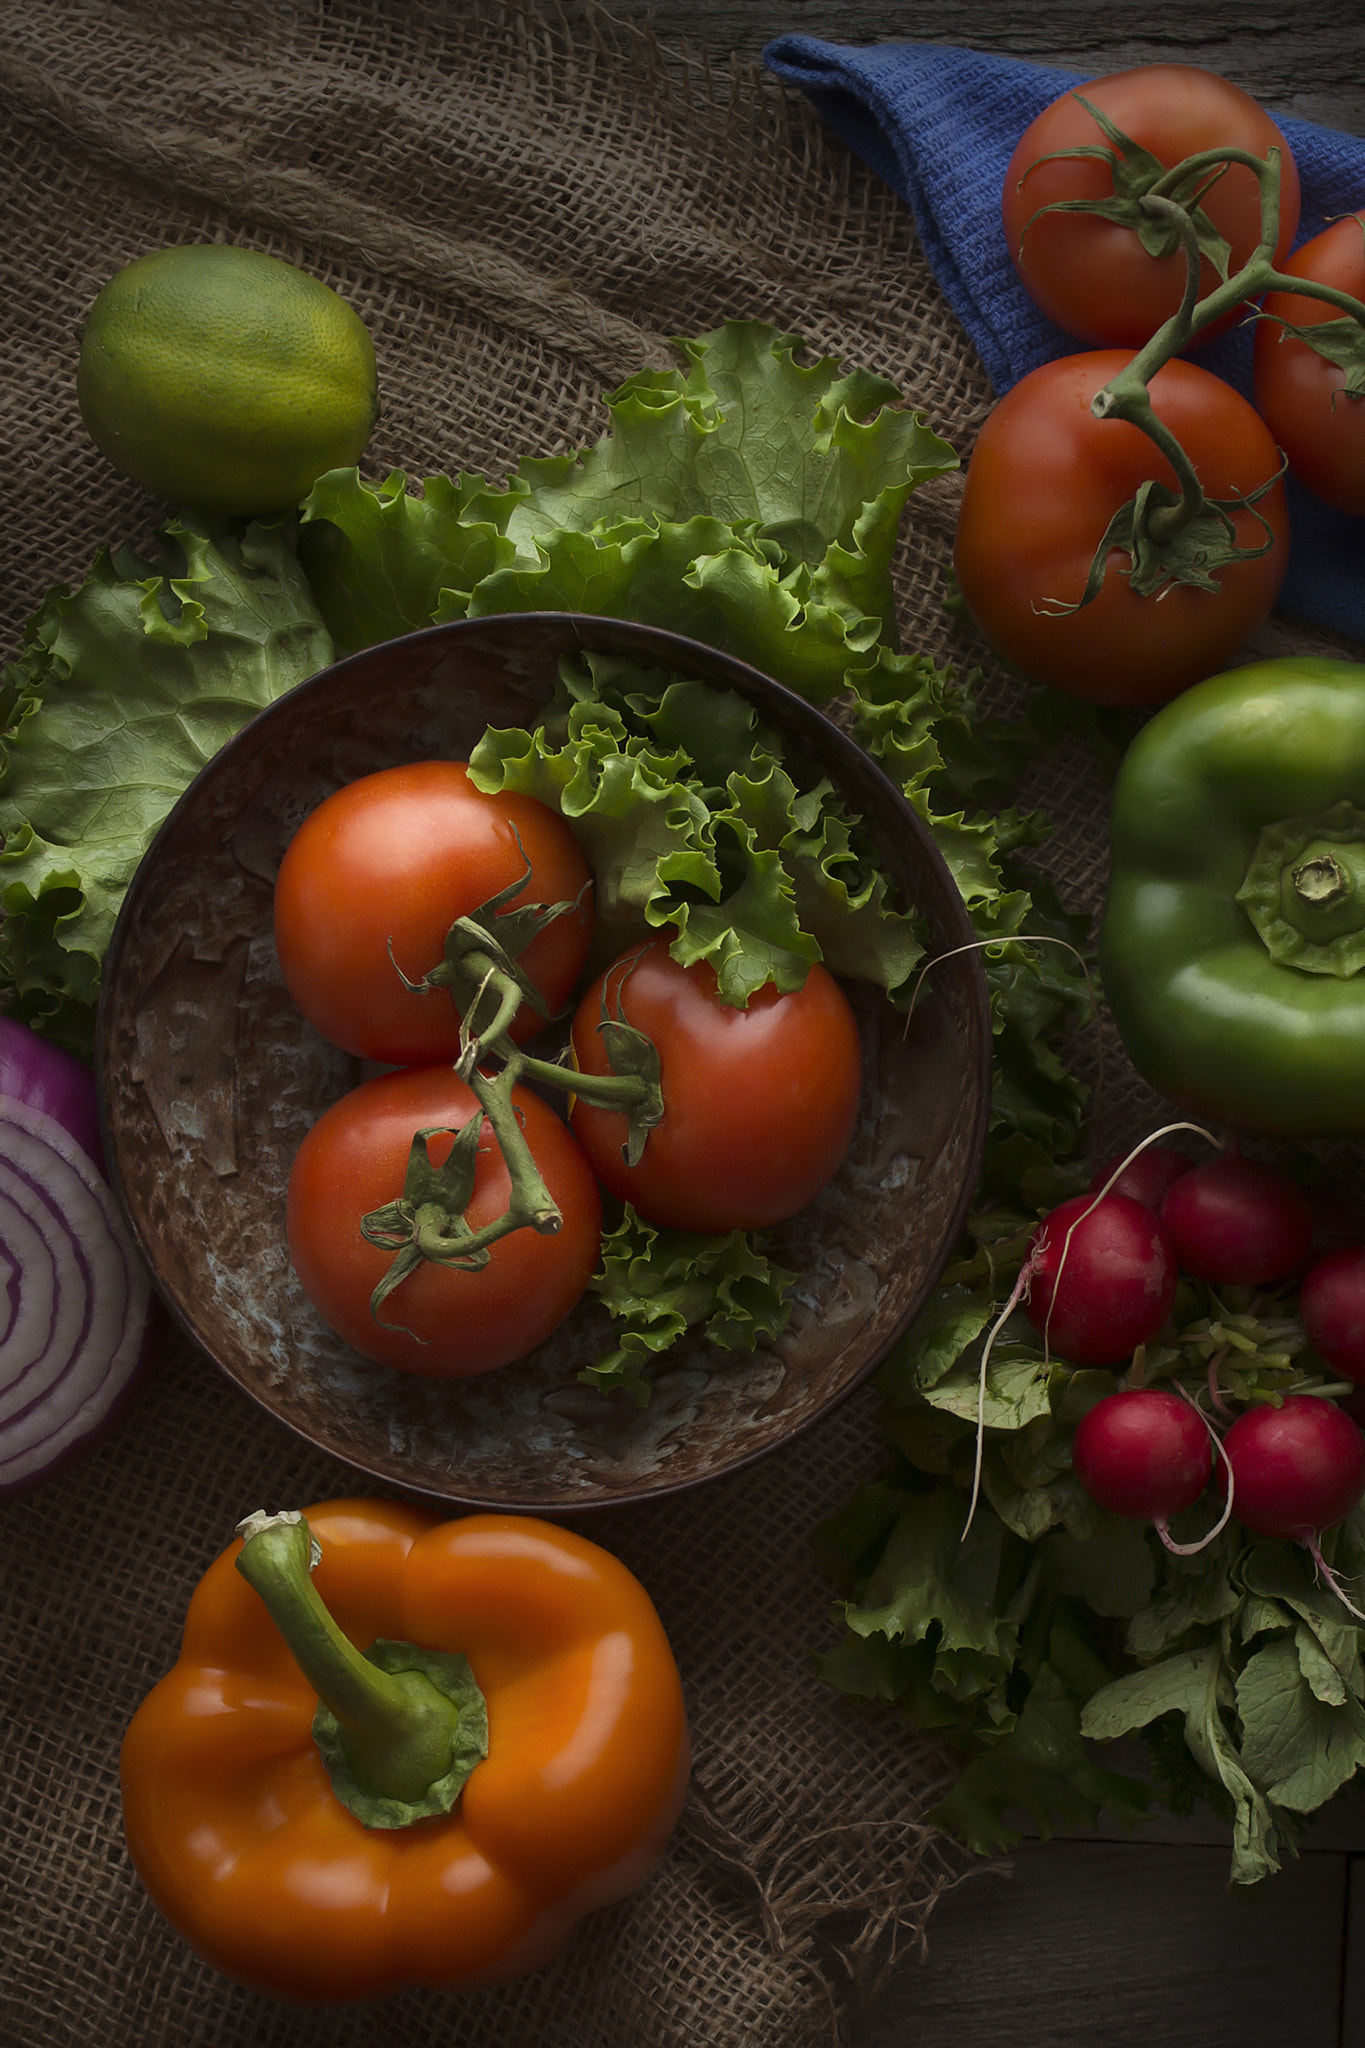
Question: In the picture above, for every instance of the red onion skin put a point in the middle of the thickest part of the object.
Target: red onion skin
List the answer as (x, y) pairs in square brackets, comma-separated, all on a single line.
[(110, 1422), (48, 1078), (50, 1082)]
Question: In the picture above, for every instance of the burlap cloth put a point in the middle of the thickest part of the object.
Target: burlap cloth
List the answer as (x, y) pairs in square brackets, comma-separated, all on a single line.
[(522, 214)]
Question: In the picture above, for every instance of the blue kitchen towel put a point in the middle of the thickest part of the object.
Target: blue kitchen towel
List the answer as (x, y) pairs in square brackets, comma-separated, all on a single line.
[(940, 124)]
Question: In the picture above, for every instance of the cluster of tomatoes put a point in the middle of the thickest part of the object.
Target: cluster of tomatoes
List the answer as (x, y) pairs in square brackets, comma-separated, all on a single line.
[(1048, 478), (759, 1103), (1102, 1274)]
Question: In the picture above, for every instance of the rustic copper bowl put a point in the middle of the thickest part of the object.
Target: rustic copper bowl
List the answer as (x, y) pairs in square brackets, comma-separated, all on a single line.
[(209, 1078)]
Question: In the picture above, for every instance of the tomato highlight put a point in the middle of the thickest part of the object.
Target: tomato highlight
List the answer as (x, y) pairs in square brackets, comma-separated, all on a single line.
[(375, 877), (1045, 482), (1314, 404), (759, 1103), (442, 1321), (1111, 275)]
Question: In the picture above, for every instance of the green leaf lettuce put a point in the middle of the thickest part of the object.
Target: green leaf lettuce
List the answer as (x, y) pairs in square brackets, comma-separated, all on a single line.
[(121, 692)]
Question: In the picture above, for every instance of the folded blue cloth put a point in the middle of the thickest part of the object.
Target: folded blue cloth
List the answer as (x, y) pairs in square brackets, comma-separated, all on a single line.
[(940, 125)]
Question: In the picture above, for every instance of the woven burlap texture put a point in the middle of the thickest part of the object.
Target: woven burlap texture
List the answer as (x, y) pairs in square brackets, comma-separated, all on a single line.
[(522, 215)]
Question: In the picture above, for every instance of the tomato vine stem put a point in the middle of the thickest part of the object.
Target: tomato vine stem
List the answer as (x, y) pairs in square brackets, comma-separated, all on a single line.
[(428, 1220), (1187, 538)]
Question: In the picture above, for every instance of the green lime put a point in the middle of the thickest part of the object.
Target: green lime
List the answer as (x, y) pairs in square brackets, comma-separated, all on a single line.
[(224, 379)]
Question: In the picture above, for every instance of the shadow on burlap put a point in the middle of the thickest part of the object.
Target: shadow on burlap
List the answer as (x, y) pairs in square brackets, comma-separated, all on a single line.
[(522, 215)]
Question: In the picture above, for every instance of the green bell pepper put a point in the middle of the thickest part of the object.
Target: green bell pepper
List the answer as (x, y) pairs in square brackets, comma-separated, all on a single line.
[(1232, 947)]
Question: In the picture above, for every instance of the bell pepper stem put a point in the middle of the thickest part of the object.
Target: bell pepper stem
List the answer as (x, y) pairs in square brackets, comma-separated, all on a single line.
[(398, 1730)]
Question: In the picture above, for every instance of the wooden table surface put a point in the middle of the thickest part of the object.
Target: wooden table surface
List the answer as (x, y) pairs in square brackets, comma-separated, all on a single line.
[(1129, 1943)]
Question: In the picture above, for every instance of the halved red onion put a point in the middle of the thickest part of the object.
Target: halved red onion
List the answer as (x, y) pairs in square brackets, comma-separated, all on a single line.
[(74, 1298), (48, 1077)]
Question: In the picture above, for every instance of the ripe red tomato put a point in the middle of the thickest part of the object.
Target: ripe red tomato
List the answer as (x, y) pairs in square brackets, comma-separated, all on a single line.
[(1044, 481), (1092, 276), (354, 1160), (1299, 394), (392, 860), (759, 1104)]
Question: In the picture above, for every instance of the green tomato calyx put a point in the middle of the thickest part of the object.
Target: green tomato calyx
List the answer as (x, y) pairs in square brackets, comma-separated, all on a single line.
[(1187, 536), (481, 967), (1138, 176), (1169, 539)]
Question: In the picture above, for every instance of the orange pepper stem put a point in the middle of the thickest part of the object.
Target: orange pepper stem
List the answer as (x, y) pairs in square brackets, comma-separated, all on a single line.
[(399, 1728)]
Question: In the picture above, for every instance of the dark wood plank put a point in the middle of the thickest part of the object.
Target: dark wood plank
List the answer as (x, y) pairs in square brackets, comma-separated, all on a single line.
[(1130, 1946), (1307, 60), (1353, 1983)]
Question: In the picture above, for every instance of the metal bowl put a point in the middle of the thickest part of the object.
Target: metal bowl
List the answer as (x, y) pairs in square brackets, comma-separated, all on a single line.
[(209, 1079)]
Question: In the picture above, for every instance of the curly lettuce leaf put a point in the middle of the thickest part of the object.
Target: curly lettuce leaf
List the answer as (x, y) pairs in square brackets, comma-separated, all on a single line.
[(692, 824), (919, 723), (121, 693), (808, 457), (749, 499), (658, 1284), (381, 561)]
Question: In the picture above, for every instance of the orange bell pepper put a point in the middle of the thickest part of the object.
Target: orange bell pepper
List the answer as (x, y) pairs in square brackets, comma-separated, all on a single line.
[(241, 1836)]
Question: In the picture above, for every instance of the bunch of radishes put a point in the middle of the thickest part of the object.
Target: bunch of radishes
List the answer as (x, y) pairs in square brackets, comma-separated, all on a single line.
[(1099, 1284)]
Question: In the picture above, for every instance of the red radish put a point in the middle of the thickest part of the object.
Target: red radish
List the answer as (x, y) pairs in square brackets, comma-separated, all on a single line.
[(1101, 1278), (1295, 1471), (1236, 1222), (1144, 1453), (1146, 1179), (1332, 1311), (1338, 1220)]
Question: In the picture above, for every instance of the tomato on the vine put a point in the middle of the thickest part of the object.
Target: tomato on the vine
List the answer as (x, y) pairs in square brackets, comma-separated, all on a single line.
[(372, 881), (759, 1103), (1092, 275), (453, 1323), (1044, 481), (1299, 394)]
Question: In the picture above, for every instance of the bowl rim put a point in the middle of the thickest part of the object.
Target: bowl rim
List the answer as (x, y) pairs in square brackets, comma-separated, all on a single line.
[(583, 627)]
